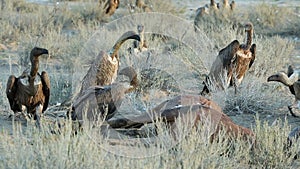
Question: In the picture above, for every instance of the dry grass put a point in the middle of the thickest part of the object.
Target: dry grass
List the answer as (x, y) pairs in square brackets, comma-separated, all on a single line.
[(64, 30)]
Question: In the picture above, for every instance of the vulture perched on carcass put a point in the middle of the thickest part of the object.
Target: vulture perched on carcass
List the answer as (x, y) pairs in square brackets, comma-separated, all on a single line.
[(31, 90), (291, 79), (105, 68), (231, 64), (193, 109), (101, 102)]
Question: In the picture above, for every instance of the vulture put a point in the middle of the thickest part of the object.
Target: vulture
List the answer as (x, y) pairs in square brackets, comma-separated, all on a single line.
[(200, 12), (31, 90), (213, 5), (291, 79), (141, 4), (111, 6), (151, 78), (193, 110), (104, 71), (231, 64), (99, 102), (232, 5), (141, 45)]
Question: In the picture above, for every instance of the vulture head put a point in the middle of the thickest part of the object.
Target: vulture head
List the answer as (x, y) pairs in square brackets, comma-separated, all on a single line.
[(279, 77), (248, 27)]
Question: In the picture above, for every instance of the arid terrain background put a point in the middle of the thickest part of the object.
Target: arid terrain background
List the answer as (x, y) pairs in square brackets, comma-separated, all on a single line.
[(69, 29)]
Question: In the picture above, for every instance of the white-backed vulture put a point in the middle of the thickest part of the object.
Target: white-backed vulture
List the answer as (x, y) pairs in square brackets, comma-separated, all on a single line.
[(193, 109), (232, 5), (151, 78), (231, 64), (213, 5), (291, 79), (110, 6), (100, 102), (140, 45), (104, 70), (141, 4), (31, 89), (200, 12)]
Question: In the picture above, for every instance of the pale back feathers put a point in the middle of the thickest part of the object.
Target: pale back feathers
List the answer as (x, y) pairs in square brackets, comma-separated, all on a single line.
[(104, 70)]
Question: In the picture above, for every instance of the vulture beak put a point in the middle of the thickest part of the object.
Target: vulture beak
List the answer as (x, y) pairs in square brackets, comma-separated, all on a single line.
[(136, 37), (272, 78), (45, 51)]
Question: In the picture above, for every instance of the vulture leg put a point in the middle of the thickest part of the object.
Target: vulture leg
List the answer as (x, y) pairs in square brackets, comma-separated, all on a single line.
[(38, 114)]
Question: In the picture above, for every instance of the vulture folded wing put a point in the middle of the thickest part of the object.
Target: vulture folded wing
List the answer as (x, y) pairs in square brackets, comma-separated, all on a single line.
[(289, 73), (46, 89), (228, 53), (253, 51), (11, 90)]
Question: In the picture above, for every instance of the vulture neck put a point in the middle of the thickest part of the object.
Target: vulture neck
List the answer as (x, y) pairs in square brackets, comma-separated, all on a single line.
[(249, 39), (289, 81), (34, 66), (141, 44)]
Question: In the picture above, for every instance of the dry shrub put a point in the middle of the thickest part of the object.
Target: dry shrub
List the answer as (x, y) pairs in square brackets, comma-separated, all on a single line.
[(270, 150), (253, 96)]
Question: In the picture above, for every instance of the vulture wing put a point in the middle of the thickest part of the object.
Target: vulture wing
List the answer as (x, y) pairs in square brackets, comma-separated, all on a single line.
[(11, 89), (229, 52), (289, 73), (253, 51), (46, 89)]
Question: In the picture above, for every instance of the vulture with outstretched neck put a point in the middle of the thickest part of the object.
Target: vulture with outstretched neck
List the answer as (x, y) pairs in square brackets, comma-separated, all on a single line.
[(31, 90), (192, 110), (231, 64), (100, 102), (291, 79), (104, 70)]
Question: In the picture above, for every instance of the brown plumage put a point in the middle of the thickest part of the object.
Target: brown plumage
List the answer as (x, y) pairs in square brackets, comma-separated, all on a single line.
[(100, 102), (213, 5), (193, 109), (141, 4), (31, 90), (110, 6), (231, 64), (291, 79), (104, 70)]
